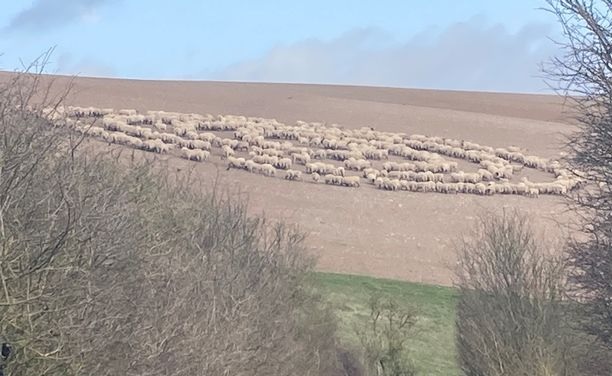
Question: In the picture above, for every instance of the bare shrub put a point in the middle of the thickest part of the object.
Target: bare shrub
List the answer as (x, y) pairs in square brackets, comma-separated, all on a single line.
[(384, 336), (109, 266), (510, 313), (584, 76)]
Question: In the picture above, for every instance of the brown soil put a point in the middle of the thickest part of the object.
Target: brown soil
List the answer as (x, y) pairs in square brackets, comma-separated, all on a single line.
[(399, 235)]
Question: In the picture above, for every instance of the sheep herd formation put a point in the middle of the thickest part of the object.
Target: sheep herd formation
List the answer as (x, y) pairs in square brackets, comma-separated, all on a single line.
[(323, 153)]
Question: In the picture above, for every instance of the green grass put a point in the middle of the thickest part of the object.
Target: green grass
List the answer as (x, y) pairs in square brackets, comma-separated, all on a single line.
[(432, 346)]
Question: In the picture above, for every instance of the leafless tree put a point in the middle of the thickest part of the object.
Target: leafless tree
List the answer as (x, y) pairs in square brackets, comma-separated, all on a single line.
[(111, 266), (383, 338), (510, 313), (584, 75)]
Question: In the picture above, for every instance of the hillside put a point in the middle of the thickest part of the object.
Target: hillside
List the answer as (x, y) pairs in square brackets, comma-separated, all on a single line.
[(403, 235)]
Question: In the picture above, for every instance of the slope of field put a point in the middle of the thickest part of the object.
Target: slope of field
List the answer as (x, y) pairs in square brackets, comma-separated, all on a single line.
[(400, 235)]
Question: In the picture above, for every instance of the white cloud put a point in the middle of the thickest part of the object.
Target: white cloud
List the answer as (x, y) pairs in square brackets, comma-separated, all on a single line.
[(44, 15), (87, 66), (469, 55)]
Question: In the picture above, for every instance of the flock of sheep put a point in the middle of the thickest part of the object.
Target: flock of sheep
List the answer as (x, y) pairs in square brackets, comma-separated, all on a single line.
[(323, 153)]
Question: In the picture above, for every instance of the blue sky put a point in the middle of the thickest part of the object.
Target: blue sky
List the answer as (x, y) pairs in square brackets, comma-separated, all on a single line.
[(461, 44)]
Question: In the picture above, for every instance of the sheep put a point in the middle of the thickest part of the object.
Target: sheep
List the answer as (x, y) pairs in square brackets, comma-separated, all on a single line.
[(471, 178), (95, 131), (480, 188), (267, 170), (533, 192), (235, 162), (283, 163), (262, 159), (316, 177), (504, 188), (332, 179), (428, 186), (556, 188), (371, 178), (170, 138), (388, 184), (315, 141), (376, 154), (208, 137), (469, 187), (195, 155), (396, 175), (250, 166), (160, 126), (485, 175), (369, 171), (195, 144), (242, 146), (350, 181), (229, 142), (124, 139), (191, 135), (227, 151), (356, 148), (535, 162), (257, 150), (394, 166), (319, 154), (128, 112), (273, 152), (293, 175), (490, 189), (457, 177), (356, 164), (301, 158), (321, 168), (405, 185), (270, 145), (452, 188), (157, 146)]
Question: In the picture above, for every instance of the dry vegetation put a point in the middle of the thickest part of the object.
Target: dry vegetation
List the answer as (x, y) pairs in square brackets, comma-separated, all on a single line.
[(510, 319), (520, 311), (110, 267)]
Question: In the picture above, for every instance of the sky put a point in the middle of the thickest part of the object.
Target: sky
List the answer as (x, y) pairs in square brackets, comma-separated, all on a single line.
[(440, 44)]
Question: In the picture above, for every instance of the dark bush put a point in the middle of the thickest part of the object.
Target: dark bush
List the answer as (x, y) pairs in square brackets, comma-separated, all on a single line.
[(511, 317), (110, 266)]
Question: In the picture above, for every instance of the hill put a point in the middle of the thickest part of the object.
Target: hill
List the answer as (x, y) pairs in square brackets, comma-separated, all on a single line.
[(402, 235)]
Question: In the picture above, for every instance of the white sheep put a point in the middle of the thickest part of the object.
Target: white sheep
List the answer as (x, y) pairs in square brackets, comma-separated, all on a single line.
[(267, 170), (227, 151), (233, 162), (339, 171), (195, 155), (356, 164), (332, 179), (293, 175), (480, 189), (262, 159), (301, 158), (157, 146), (283, 163), (350, 181), (273, 152), (250, 166)]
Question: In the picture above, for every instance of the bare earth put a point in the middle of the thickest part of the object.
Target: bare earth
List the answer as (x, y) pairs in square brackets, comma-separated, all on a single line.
[(400, 235)]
